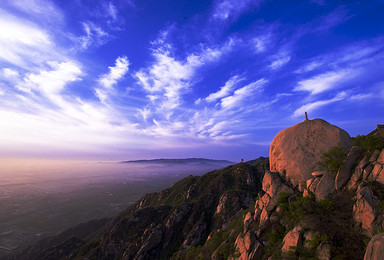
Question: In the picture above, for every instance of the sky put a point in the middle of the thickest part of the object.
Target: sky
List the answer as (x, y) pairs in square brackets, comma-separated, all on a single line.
[(130, 79)]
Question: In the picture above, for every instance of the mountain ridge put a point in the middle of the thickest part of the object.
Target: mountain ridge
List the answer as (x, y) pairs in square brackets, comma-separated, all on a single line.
[(179, 161), (245, 211)]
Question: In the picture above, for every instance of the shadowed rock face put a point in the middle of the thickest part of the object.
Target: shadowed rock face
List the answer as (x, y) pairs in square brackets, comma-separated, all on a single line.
[(296, 150)]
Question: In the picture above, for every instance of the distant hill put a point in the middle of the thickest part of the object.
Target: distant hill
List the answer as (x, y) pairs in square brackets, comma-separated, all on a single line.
[(256, 161), (181, 161)]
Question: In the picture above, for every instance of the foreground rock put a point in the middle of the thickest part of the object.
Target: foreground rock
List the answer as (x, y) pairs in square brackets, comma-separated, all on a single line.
[(375, 248), (295, 151)]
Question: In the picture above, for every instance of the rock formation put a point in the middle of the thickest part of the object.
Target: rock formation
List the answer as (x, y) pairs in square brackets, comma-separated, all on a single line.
[(295, 151), (247, 211), (375, 248)]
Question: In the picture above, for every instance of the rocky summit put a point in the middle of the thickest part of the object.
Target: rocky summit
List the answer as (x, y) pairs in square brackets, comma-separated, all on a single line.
[(296, 150), (250, 210)]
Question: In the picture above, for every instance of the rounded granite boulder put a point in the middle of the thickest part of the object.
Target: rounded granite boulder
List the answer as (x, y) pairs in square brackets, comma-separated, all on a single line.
[(295, 151)]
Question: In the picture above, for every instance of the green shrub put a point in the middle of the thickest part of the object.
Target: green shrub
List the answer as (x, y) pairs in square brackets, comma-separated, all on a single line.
[(369, 142), (224, 251), (193, 252), (326, 204), (216, 240), (275, 239), (277, 235), (333, 159), (317, 240)]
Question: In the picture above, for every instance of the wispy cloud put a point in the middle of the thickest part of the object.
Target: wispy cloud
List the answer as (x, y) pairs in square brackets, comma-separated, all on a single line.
[(326, 81), (168, 78), (310, 107), (23, 43), (231, 9), (94, 35), (240, 95), (260, 43), (279, 62), (45, 10), (107, 81), (224, 90), (359, 97), (51, 82)]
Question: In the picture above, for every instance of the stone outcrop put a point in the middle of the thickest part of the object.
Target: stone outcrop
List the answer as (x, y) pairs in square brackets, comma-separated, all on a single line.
[(365, 211), (248, 246), (375, 248), (349, 164), (273, 185), (323, 251), (292, 240), (295, 151), (358, 173), (325, 186)]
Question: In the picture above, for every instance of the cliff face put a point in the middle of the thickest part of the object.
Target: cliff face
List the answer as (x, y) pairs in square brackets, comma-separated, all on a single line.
[(245, 211)]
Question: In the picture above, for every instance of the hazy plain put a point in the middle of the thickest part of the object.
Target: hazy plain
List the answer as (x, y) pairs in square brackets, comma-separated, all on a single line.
[(39, 198)]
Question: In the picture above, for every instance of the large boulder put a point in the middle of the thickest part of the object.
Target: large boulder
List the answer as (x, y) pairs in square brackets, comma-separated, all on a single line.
[(249, 247), (349, 164), (325, 187), (365, 211), (295, 151), (375, 248), (292, 240)]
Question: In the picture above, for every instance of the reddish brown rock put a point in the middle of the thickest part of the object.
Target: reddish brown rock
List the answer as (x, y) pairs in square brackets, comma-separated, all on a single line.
[(346, 170), (271, 183), (292, 240), (380, 159), (367, 171), (313, 186), (358, 173), (377, 168), (295, 151), (375, 248), (364, 211), (325, 187), (248, 246), (374, 155), (323, 251)]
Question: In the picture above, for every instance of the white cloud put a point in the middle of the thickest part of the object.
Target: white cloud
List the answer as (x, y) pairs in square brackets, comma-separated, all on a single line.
[(23, 42), (51, 82), (309, 67), (359, 97), (94, 35), (112, 11), (10, 74), (279, 62), (224, 90), (260, 43), (42, 8), (225, 9), (116, 73), (168, 78), (310, 107), (107, 81), (241, 94), (326, 81)]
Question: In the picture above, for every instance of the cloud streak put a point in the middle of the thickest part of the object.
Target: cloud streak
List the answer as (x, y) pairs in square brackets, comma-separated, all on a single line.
[(109, 80), (326, 81)]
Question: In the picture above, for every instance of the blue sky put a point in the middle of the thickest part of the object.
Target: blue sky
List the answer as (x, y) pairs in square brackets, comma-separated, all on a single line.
[(126, 79)]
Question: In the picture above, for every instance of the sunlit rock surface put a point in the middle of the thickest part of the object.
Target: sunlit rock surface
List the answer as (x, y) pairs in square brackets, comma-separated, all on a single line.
[(295, 151)]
